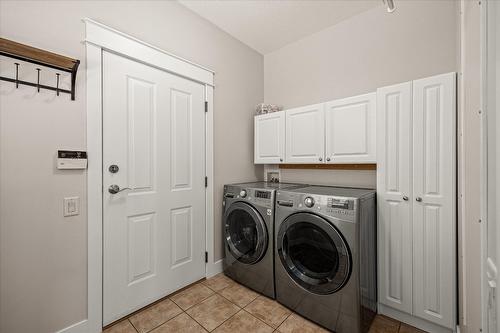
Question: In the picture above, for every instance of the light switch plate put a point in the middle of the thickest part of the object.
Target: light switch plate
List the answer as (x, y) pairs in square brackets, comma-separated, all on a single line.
[(71, 206)]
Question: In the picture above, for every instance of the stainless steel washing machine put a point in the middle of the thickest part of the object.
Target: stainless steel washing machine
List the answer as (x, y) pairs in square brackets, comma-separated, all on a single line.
[(325, 256), (248, 222)]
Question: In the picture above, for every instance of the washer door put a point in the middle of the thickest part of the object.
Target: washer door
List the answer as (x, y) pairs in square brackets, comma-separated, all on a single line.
[(246, 233), (314, 253)]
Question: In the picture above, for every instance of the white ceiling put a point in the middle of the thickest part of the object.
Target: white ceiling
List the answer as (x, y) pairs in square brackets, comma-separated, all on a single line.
[(267, 25)]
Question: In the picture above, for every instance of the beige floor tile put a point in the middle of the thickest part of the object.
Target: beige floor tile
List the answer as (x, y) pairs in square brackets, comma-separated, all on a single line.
[(296, 324), (269, 311), (213, 311), (383, 324), (218, 282), (243, 322), (409, 329), (239, 295), (180, 324), (155, 315), (192, 296), (123, 326)]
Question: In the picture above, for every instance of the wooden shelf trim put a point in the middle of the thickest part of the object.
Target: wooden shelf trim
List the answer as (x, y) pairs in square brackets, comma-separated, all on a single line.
[(28, 53), (330, 166), (36, 56)]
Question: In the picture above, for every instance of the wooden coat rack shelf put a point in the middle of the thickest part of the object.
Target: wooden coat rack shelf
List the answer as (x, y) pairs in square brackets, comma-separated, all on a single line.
[(40, 57)]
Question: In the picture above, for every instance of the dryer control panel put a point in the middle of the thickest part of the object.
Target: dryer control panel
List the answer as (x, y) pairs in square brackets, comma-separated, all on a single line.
[(337, 207)]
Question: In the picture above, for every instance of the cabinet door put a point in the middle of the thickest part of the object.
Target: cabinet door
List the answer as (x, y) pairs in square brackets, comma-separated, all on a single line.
[(351, 129), (394, 122), (305, 134), (434, 192), (269, 138)]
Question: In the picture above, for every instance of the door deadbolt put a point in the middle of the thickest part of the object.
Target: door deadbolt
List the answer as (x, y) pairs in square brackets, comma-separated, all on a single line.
[(113, 168)]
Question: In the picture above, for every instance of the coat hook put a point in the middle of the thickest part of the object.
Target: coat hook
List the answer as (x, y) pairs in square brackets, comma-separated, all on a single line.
[(17, 74), (38, 80), (57, 85)]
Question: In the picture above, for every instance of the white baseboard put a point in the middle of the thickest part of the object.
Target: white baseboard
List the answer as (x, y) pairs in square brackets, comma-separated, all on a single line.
[(214, 268), (411, 320), (80, 327)]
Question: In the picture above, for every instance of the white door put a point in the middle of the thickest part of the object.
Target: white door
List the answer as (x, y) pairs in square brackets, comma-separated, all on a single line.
[(351, 129), (154, 228), (269, 138), (394, 122), (434, 198), (305, 134)]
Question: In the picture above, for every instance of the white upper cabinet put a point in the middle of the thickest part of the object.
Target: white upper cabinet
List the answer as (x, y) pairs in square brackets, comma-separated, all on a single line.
[(350, 129), (394, 195), (269, 131), (434, 194), (305, 134)]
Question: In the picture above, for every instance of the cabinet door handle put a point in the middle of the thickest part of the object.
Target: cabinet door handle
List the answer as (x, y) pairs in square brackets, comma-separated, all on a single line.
[(419, 199), (405, 198), (281, 160), (328, 159), (321, 159)]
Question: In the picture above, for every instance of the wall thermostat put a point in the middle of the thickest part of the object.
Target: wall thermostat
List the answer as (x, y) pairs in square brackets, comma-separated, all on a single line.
[(71, 159)]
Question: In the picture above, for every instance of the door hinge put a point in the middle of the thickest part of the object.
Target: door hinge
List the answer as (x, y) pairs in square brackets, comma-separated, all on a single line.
[(206, 181), (206, 106), (206, 256)]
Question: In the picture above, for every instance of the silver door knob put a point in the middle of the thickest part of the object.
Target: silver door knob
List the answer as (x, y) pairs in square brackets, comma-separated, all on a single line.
[(321, 159), (114, 189), (328, 159), (419, 199), (405, 198)]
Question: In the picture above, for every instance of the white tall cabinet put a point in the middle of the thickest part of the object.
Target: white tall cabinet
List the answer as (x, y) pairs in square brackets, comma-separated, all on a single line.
[(416, 185)]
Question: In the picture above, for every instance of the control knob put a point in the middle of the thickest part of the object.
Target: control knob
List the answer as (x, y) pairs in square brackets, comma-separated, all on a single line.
[(309, 202), (243, 193)]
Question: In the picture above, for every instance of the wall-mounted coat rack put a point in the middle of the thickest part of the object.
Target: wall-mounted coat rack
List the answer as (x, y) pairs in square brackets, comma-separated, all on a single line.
[(40, 57)]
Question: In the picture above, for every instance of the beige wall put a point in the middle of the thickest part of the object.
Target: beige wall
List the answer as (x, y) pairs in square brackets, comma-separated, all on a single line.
[(43, 255), (370, 50)]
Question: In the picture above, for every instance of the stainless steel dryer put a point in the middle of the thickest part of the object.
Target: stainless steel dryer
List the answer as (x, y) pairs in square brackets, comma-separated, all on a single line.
[(248, 222), (325, 257)]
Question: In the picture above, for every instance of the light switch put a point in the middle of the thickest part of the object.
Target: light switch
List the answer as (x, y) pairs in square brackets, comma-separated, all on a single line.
[(71, 206)]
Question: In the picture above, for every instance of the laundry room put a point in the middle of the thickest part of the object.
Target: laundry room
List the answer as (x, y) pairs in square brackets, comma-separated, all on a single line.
[(249, 166)]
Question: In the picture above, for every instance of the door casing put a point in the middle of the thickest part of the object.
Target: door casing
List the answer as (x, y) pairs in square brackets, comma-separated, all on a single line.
[(98, 38)]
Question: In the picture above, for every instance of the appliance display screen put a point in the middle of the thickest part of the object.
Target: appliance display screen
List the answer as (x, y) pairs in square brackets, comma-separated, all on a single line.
[(263, 194)]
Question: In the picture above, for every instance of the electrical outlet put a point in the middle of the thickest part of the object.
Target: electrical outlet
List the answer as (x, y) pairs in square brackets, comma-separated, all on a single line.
[(71, 206)]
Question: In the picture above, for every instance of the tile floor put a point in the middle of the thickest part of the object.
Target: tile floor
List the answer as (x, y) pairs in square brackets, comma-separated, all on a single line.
[(221, 305)]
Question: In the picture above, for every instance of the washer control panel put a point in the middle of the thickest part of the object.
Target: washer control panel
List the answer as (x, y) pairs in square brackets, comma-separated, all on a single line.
[(338, 207), (256, 196)]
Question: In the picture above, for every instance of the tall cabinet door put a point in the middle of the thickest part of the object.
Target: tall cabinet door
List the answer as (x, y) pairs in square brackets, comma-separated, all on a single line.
[(351, 129), (269, 134), (305, 130), (394, 127), (434, 192)]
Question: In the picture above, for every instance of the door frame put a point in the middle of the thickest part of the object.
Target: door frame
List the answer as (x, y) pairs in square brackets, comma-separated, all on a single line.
[(99, 38)]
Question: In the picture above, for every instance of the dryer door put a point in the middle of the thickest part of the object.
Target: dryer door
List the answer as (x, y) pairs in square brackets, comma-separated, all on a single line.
[(246, 233), (314, 253)]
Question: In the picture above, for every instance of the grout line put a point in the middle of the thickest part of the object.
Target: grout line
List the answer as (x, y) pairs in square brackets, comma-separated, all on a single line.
[(275, 329), (135, 328)]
